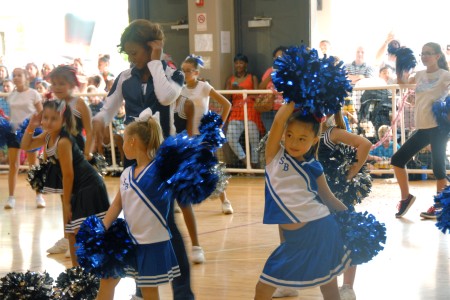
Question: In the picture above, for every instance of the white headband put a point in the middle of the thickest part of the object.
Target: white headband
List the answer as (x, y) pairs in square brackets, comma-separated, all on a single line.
[(147, 114)]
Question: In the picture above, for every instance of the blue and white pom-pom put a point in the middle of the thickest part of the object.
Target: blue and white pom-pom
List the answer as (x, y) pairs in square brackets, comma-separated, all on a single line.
[(336, 167), (5, 131), (29, 285), (23, 127), (187, 168), (77, 284), (406, 61), (210, 127), (104, 253), (441, 110), (37, 175), (317, 85), (442, 206), (362, 234)]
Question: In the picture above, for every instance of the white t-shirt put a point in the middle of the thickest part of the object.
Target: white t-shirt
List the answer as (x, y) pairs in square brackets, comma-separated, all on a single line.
[(429, 88), (22, 105), (200, 98)]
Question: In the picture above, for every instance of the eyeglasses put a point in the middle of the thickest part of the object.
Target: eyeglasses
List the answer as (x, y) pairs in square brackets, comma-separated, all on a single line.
[(427, 53)]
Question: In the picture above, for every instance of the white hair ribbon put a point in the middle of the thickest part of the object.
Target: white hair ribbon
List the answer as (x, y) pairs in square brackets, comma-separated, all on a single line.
[(147, 114)]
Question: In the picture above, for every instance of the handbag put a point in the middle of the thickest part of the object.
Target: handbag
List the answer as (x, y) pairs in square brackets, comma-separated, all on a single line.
[(264, 102)]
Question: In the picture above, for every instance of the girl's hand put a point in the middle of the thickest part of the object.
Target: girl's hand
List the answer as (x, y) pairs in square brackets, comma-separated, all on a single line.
[(156, 47), (352, 172), (35, 120)]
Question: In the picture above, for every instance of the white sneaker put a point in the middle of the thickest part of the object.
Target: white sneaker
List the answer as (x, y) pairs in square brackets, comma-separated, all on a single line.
[(197, 255), (40, 202), (10, 202), (61, 246), (284, 292), (67, 254), (347, 293), (227, 208)]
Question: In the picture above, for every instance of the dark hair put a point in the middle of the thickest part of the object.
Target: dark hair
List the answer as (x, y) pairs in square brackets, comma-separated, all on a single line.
[(196, 61), (62, 106), (240, 57), (393, 46), (149, 132), (442, 62), (141, 31), (6, 69), (300, 116), (385, 67), (279, 48), (66, 72), (104, 58)]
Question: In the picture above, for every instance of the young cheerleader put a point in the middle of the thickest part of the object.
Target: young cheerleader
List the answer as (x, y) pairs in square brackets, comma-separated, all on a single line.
[(432, 84), (193, 104), (23, 102), (145, 211), (64, 82), (313, 253), (82, 188)]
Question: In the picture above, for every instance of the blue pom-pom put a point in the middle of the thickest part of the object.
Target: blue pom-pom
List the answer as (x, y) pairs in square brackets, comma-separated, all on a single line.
[(442, 205), (5, 131), (318, 86), (362, 234), (104, 253), (186, 166), (405, 61), (336, 166), (441, 110), (210, 127), (22, 128)]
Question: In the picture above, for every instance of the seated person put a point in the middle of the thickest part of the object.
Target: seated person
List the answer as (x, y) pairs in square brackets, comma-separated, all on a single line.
[(380, 157)]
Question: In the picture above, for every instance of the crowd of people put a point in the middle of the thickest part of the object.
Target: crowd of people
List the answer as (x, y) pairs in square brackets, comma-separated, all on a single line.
[(74, 127)]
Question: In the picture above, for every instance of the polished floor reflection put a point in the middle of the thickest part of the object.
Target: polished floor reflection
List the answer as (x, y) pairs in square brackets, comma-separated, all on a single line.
[(415, 264)]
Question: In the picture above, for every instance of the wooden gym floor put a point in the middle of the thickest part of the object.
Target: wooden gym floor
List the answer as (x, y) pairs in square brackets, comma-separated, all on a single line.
[(415, 264)]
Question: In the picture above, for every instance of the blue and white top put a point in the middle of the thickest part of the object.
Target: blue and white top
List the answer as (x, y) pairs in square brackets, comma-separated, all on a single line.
[(144, 207), (291, 190)]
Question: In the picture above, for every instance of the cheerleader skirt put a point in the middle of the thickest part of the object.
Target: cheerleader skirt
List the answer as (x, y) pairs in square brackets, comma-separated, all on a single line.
[(310, 256), (155, 264), (53, 180), (87, 201)]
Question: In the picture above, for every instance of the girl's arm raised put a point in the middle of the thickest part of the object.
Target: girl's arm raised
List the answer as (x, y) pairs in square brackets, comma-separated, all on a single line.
[(28, 141), (113, 211), (277, 129), (361, 144), (226, 105), (86, 119), (65, 160), (327, 196)]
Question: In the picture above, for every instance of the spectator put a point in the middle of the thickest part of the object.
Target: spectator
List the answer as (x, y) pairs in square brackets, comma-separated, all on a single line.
[(47, 68), (266, 83), (389, 48), (242, 80), (43, 87), (103, 68), (325, 47), (4, 75), (7, 87), (95, 102), (34, 74), (380, 157)]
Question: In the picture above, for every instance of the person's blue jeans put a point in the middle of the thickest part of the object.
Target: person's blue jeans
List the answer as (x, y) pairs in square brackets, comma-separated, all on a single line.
[(267, 119), (234, 130)]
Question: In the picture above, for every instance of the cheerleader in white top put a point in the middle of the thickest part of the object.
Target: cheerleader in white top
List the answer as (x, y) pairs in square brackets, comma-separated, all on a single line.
[(145, 209), (298, 198)]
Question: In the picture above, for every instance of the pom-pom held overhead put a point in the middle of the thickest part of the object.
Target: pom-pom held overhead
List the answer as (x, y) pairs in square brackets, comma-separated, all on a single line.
[(336, 167), (104, 253), (442, 206), (77, 284), (362, 234), (29, 285), (406, 61), (317, 85), (441, 110)]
